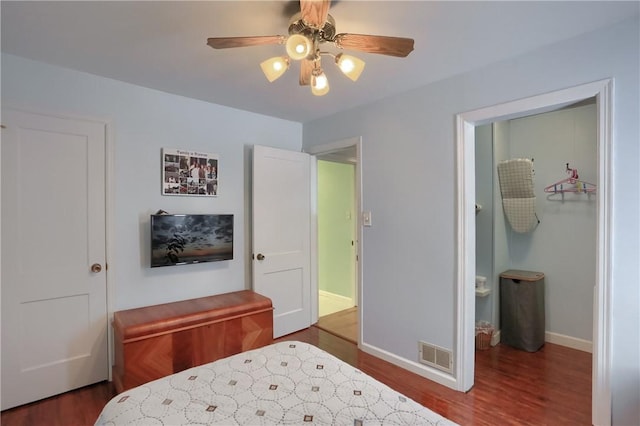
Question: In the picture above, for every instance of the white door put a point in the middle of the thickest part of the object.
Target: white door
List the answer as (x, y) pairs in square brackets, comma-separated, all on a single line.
[(281, 235), (54, 313)]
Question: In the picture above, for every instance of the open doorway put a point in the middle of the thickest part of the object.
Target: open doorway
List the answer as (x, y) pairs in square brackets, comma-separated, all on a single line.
[(466, 253), (557, 248), (337, 306), (563, 225), (337, 238)]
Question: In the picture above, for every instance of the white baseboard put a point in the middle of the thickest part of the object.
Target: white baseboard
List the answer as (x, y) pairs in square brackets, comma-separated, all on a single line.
[(413, 366), (337, 300), (334, 296), (570, 342)]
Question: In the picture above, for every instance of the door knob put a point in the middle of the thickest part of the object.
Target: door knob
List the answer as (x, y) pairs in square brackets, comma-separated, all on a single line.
[(260, 256), (96, 267)]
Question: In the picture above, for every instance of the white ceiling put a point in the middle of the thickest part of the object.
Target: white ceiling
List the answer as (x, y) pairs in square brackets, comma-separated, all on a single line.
[(162, 44)]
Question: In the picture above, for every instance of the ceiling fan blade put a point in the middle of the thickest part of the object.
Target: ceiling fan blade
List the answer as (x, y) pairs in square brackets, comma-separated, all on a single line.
[(314, 12), (306, 66), (392, 46), (227, 42)]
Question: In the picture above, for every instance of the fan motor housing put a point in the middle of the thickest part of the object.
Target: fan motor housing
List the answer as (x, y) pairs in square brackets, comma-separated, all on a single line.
[(298, 26)]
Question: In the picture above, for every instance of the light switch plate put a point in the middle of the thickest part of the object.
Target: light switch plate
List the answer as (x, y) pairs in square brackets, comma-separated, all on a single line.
[(366, 218)]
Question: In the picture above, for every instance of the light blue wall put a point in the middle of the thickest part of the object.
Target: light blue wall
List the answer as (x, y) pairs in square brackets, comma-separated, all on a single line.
[(501, 228), (563, 246), (143, 122), (408, 163), (484, 219)]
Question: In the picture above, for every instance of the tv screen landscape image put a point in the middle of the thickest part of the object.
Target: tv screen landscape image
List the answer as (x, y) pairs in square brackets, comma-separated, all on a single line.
[(183, 239)]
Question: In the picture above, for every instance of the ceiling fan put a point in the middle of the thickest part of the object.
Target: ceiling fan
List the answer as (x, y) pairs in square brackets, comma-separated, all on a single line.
[(308, 30)]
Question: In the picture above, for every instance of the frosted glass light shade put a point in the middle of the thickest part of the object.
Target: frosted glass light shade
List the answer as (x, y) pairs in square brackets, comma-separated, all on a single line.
[(319, 83), (298, 46), (350, 66), (274, 67)]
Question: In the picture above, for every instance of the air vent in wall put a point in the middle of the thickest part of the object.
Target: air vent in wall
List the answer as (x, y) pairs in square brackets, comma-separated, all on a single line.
[(435, 356)]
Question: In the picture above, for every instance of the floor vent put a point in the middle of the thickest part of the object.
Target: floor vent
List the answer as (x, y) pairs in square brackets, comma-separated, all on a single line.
[(435, 356)]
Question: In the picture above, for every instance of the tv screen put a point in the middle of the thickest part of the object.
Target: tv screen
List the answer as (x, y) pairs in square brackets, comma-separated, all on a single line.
[(181, 239)]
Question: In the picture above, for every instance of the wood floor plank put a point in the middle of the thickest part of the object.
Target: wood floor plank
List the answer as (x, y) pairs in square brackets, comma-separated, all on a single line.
[(512, 387)]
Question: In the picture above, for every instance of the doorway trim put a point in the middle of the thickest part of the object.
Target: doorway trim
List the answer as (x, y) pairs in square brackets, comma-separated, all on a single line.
[(316, 151), (465, 231)]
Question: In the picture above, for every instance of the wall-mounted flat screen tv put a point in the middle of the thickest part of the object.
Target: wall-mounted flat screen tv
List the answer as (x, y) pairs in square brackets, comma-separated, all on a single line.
[(182, 239)]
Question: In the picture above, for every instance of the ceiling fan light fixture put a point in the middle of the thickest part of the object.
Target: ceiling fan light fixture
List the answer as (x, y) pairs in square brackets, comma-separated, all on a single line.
[(298, 46), (309, 30), (273, 68), (350, 66), (319, 82)]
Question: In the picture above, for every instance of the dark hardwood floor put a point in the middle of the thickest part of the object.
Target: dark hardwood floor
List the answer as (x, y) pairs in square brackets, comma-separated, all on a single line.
[(512, 387), (76, 408)]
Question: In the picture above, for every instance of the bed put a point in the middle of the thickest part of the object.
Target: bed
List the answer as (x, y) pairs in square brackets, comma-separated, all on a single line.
[(283, 383)]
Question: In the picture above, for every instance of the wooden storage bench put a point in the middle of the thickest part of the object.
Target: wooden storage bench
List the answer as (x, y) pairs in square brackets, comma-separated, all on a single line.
[(155, 341)]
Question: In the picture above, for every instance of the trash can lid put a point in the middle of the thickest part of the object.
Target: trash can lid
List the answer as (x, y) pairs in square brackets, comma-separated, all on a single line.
[(515, 274)]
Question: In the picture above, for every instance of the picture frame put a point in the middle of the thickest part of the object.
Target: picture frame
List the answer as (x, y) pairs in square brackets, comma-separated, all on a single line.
[(189, 173)]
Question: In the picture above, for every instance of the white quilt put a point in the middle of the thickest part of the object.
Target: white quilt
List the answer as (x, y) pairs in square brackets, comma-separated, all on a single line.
[(290, 383)]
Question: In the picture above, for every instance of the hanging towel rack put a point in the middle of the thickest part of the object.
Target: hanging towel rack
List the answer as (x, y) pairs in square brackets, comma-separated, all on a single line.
[(571, 184)]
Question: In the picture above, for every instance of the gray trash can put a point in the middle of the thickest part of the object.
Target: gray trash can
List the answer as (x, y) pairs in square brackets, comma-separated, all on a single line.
[(522, 309)]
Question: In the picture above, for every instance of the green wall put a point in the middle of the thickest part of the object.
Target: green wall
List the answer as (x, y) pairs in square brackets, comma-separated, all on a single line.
[(336, 230)]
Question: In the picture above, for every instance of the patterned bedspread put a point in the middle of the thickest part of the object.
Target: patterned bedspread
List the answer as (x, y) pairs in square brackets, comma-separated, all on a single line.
[(290, 383)]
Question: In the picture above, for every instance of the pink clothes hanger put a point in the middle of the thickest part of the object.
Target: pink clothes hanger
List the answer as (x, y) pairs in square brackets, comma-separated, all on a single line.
[(570, 184)]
